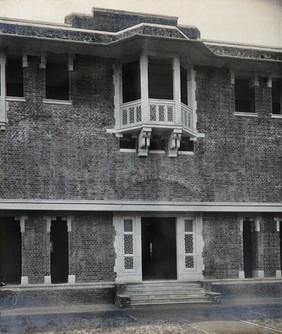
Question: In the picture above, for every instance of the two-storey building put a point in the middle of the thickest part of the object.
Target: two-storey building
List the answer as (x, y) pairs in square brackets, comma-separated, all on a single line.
[(133, 151)]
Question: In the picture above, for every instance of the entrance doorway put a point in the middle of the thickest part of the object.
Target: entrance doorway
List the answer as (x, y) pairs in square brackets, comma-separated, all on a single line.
[(248, 248), (158, 248), (10, 251), (59, 252)]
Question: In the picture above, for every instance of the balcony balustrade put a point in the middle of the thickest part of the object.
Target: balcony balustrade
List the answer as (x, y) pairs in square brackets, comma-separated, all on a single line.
[(158, 113)]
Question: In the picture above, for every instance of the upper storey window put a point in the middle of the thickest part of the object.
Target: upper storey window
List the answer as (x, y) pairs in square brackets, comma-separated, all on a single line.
[(244, 96), (131, 82), (160, 79), (11, 82), (155, 98), (57, 79), (14, 77), (276, 97)]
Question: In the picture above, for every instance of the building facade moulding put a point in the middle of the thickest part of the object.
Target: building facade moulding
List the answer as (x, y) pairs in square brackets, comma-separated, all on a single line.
[(137, 206)]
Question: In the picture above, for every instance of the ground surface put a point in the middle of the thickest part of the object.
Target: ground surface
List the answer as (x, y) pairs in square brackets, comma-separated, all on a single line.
[(191, 319)]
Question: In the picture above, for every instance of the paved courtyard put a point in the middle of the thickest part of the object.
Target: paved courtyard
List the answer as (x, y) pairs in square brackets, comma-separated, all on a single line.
[(191, 319)]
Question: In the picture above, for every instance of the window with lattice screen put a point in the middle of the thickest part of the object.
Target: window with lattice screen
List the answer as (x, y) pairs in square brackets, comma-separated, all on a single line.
[(189, 243), (128, 244)]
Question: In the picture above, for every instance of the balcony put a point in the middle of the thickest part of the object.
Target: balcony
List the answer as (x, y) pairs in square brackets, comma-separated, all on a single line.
[(158, 114), (155, 97)]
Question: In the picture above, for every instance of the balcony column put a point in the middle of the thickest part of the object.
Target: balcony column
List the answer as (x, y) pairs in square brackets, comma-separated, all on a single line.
[(145, 133), (177, 89), (192, 103), (144, 88), (3, 115), (118, 93)]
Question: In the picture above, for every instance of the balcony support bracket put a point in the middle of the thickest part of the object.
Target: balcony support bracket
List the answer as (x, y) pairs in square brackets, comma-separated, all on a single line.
[(144, 141), (174, 143)]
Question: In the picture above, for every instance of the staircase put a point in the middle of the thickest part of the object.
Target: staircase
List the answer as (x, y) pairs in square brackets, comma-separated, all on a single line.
[(164, 293)]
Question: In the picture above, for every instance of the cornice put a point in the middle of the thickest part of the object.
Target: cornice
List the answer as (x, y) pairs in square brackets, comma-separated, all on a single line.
[(136, 206)]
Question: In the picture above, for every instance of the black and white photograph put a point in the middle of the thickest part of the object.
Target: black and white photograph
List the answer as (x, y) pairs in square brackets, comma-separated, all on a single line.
[(140, 166)]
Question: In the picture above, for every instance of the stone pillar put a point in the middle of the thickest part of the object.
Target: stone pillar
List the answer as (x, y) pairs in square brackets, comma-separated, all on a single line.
[(71, 276), (24, 277), (3, 111)]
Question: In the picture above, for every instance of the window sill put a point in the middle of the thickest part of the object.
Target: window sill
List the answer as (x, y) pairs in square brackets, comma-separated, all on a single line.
[(15, 99), (276, 116), (127, 150), (62, 102), (185, 153), (246, 114), (132, 150)]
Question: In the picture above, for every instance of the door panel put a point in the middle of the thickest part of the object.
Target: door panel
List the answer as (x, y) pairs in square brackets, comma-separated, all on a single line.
[(158, 248)]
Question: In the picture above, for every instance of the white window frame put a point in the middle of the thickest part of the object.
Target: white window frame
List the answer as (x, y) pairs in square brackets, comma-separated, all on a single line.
[(196, 273), (134, 274)]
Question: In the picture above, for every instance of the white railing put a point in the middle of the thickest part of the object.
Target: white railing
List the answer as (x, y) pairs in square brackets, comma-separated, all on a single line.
[(159, 112), (186, 116), (130, 113)]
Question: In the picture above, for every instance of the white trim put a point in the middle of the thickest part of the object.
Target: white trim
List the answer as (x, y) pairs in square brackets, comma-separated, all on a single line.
[(71, 279), (276, 116), (257, 224), (69, 220), (47, 280), (277, 221), (133, 206), (258, 273), (15, 99), (144, 87), (241, 224), (245, 114), (127, 275), (3, 109), (24, 280), (117, 80), (196, 273), (48, 223), (157, 151), (53, 101), (185, 153), (127, 150), (241, 274), (22, 220)]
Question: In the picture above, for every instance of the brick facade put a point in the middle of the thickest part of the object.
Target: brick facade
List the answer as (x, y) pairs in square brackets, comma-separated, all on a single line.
[(53, 151), (62, 149)]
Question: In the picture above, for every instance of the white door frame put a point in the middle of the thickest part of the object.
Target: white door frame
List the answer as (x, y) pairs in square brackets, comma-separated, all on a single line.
[(133, 274)]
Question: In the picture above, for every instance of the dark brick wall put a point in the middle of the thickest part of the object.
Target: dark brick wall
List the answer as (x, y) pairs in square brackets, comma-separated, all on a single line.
[(91, 248), (270, 245), (223, 245), (223, 254), (92, 254), (64, 152), (35, 250), (241, 156)]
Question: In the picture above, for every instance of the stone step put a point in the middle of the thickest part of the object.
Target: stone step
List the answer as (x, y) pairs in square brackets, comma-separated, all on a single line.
[(170, 301), (168, 297), (161, 293), (162, 287), (165, 293)]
